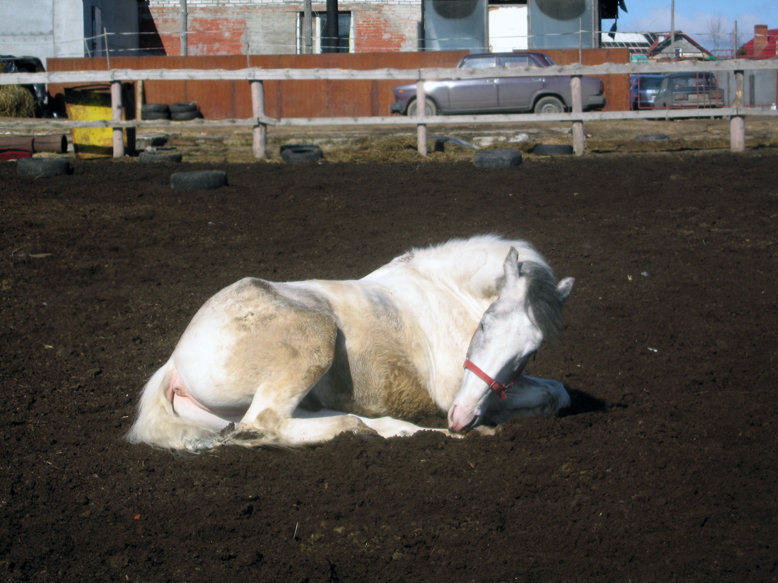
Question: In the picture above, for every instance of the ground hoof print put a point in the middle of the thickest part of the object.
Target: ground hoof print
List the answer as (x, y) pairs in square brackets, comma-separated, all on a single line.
[(43, 167), (552, 150), (157, 157), (198, 180), (300, 153), (497, 158)]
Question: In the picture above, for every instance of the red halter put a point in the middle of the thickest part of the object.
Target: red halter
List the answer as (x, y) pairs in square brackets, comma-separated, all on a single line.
[(498, 388)]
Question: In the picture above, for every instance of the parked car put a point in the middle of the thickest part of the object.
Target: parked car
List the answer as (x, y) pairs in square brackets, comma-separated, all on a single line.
[(643, 89), (540, 93), (689, 90)]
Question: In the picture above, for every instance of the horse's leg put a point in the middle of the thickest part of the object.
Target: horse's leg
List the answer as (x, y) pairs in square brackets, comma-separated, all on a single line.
[(391, 427), (529, 397), (270, 420)]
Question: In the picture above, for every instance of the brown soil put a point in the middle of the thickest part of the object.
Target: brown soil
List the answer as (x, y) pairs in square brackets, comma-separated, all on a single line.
[(665, 470)]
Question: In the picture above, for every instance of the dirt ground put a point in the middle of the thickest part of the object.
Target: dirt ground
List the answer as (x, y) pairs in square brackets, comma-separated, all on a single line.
[(664, 470)]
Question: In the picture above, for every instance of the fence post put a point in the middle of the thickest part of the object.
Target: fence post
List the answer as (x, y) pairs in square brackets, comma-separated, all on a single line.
[(737, 124), (116, 115), (259, 143), (421, 116), (578, 132)]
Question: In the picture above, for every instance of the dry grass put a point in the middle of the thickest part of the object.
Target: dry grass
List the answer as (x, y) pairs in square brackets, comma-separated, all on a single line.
[(16, 101)]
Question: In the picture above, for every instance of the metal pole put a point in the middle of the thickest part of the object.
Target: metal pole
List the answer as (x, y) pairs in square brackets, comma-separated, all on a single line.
[(672, 28)]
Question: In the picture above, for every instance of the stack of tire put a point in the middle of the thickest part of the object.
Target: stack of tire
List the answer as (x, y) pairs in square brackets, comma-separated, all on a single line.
[(183, 111)]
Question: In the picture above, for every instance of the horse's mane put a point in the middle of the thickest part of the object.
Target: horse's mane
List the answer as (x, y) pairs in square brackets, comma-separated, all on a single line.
[(476, 265), (543, 298)]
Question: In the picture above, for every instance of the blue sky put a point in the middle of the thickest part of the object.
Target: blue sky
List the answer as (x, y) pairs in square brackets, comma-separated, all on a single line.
[(699, 19)]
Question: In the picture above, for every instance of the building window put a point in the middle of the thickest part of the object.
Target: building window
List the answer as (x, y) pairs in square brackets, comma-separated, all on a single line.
[(319, 41)]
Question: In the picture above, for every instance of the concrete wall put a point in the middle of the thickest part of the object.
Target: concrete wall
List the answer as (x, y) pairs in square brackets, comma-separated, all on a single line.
[(41, 28), (57, 28)]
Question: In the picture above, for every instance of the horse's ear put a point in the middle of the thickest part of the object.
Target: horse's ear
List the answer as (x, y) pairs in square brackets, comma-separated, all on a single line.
[(564, 288), (511, 267)]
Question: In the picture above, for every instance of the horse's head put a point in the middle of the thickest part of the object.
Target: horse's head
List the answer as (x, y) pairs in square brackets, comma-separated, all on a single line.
[(527, 310)]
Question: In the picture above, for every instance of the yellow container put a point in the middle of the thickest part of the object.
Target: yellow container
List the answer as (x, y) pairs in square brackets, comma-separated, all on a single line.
[(91, 102)]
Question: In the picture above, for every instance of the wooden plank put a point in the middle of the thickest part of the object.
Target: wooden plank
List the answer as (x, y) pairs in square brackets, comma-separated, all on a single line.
[(289, 74)]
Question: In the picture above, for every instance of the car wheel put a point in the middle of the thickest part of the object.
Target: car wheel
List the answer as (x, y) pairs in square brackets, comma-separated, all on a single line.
[(497, 158), (429, 108), (549, 104)]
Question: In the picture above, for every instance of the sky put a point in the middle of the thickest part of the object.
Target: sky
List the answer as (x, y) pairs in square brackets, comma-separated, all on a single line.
[(700, 19)]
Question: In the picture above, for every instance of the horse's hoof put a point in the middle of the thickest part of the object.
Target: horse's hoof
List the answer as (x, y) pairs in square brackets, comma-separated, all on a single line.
[(485, 430)]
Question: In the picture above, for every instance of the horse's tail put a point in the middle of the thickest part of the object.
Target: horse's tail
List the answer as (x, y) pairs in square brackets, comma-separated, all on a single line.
[(159, 425)]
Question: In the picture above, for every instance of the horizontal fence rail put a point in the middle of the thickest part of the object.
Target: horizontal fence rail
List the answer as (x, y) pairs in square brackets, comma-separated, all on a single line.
[(255, 76)]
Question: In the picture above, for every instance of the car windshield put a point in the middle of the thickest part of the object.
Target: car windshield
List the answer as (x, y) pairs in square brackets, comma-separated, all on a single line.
[(649, 82), (693, 81), (547, 59), (479, 63)]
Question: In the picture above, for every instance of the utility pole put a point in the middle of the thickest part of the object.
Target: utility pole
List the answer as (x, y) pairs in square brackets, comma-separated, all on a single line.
[(672, 28)]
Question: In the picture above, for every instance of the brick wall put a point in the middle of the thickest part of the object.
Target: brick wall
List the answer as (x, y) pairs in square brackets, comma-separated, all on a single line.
[(234, 27)]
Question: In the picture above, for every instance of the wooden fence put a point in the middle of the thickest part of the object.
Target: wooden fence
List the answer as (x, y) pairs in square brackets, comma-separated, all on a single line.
[(260, 122)]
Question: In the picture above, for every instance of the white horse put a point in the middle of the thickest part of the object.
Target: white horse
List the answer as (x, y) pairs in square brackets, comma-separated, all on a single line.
[(295, 363)]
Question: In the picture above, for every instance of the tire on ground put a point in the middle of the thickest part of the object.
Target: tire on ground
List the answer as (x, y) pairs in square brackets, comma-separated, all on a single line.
[(198, 180), (497, 158), (155, 111), (184, 115), (151, 157), (183, 107), (300, 153), (552, 149), (43, 167)]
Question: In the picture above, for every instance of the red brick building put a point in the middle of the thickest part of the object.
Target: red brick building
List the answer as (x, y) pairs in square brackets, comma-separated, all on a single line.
[(234, 27), (763, 45)]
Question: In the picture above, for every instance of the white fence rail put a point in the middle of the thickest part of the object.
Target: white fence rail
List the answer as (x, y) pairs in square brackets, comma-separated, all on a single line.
[(259, 121)]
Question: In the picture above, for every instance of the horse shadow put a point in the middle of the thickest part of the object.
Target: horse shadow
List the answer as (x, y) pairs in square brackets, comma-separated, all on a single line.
[(583, 402)]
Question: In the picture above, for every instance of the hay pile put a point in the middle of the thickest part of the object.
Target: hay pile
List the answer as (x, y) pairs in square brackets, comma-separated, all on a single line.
[(16, 101)]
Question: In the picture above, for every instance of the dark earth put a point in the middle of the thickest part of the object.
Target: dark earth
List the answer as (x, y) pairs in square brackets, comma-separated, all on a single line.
[(665, 469)]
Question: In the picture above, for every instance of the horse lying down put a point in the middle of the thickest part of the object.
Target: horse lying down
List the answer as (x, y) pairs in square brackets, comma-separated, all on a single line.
[(295, 363)]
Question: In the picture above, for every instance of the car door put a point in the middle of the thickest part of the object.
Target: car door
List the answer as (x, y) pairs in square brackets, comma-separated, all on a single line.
[(474, 95), (518, 93)]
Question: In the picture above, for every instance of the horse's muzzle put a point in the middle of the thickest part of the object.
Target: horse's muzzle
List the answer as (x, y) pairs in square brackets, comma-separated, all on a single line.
[(459, 420)]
